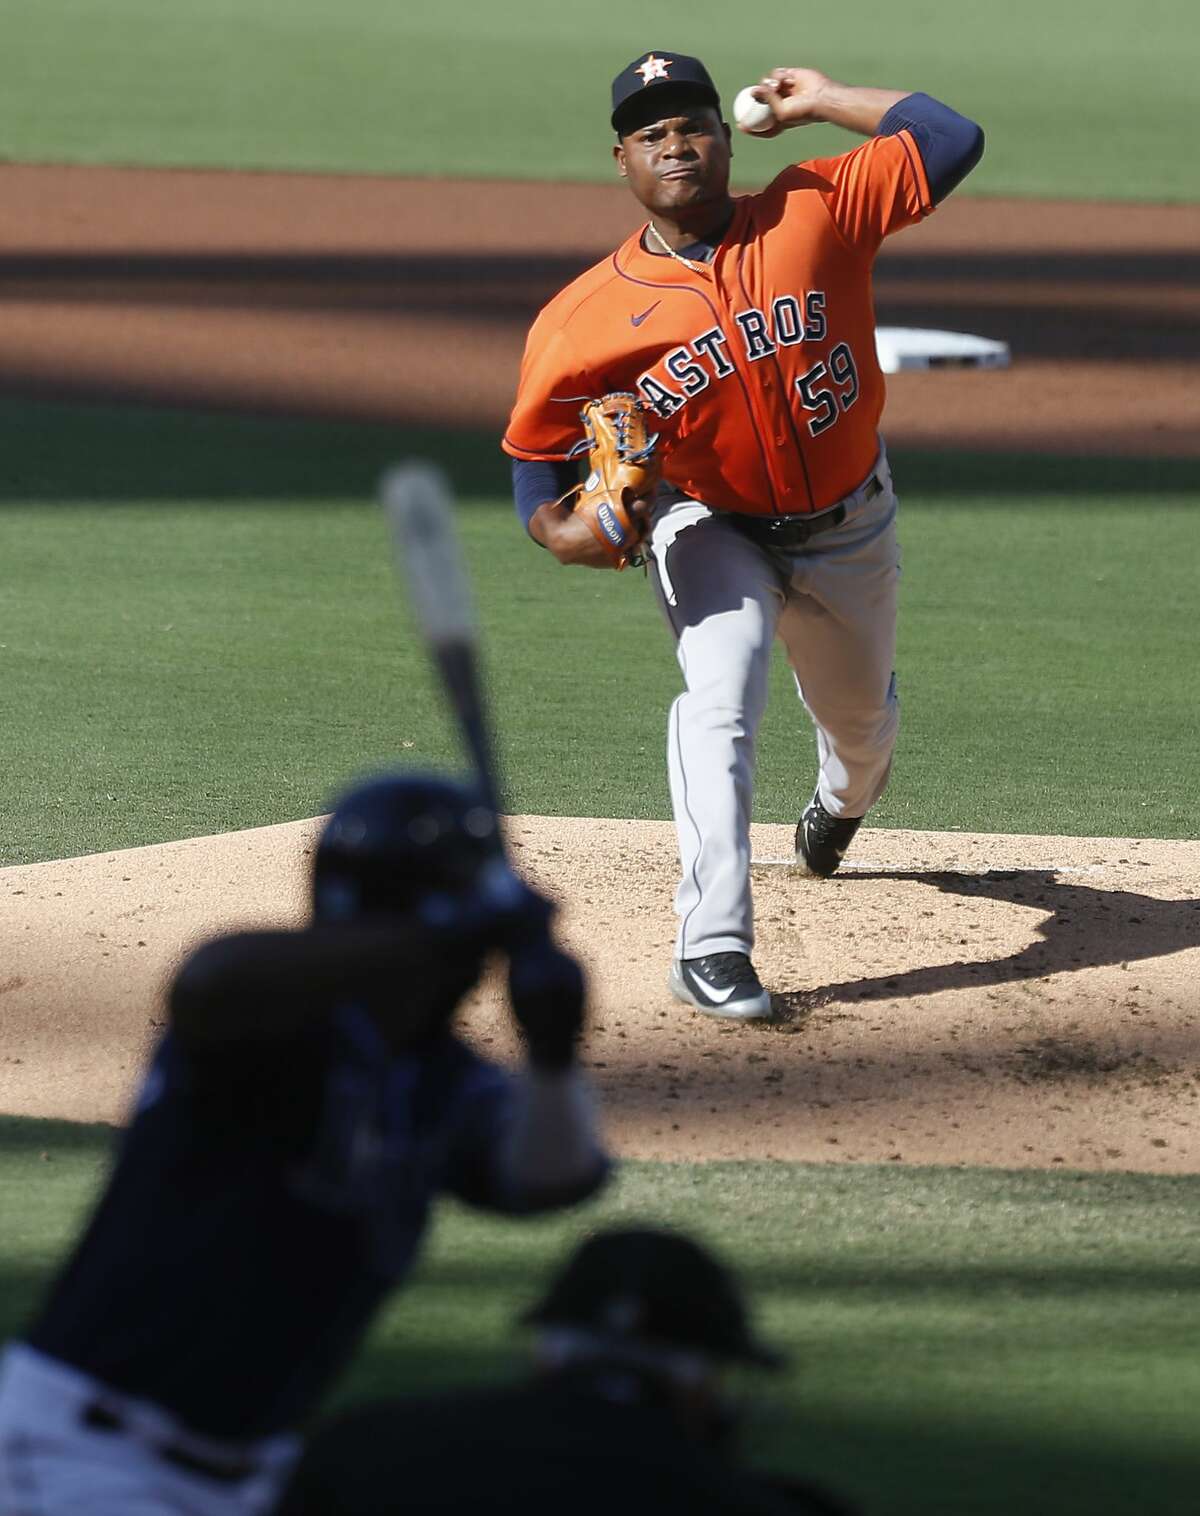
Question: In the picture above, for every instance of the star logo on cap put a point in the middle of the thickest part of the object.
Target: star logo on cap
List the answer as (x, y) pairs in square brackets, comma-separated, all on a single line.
[(654, 68)]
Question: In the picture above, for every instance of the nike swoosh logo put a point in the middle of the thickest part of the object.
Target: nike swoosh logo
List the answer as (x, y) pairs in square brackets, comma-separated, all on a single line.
[(720, 996), (637, 320)]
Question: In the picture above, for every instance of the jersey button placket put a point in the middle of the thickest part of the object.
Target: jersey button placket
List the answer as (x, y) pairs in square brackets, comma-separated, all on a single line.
[(768, 384), (756, 391), (778, 429), (772, 420)]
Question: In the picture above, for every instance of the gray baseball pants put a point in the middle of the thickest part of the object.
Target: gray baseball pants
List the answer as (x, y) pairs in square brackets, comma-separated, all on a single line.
[(832, 604)]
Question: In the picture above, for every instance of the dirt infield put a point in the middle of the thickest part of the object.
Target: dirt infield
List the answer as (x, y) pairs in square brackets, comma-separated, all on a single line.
[(1007, 1000), (409, 301), (1020, 1001)]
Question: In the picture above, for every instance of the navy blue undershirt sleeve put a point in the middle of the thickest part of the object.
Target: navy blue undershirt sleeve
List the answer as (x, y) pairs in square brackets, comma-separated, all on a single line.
[(950, 145), (537, 480)]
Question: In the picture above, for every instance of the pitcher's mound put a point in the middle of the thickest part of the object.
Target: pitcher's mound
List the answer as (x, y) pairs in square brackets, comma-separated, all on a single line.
[(1022, 1001)]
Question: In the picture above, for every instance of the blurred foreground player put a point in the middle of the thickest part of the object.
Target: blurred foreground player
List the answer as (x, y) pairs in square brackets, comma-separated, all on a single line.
[(305, 1108), (625, 1411)]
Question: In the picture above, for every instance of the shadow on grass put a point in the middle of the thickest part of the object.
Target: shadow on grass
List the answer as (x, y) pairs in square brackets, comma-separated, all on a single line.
[(894, 1459), (923, 1467), (834, 1417), (71, 454), (83, 453), (834, 1421), (897, 1460), (903, 1464), (28, 1134)]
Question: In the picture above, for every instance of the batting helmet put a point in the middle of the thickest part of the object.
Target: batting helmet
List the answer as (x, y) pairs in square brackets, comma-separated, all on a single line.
[(393, 841)]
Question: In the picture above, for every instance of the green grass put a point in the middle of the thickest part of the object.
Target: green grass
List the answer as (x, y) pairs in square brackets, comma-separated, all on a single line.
[(200, 632), (1083, 98), (966, 1341)]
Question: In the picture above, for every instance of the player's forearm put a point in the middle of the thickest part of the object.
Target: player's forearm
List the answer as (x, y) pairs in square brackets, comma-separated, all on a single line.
[(539, 482), (539, 486), (552, 1154), (544, 522), (802, 96), (856, 108), (566, 536)]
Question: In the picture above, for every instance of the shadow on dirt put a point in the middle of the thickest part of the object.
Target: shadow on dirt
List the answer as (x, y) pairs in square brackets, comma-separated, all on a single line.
[(1081, 927), (987, 292)]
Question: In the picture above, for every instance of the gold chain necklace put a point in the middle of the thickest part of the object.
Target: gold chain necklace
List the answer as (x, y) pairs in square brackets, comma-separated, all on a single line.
[(696, 268)]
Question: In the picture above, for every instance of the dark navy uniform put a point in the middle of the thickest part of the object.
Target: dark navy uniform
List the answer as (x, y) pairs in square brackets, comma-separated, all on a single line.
[(300, 1117), (265, 1200)]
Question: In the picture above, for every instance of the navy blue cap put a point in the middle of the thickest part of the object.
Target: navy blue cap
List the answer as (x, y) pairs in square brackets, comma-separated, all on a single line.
[(658, 70)]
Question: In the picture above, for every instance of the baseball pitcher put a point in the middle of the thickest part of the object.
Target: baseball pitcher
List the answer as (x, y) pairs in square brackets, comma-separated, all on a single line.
[(743, 328)]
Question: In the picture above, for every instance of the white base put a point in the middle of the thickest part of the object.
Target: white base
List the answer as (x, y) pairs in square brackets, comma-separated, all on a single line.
[(911, 347)]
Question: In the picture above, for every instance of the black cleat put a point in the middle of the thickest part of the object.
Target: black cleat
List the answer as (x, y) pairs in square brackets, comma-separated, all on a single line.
[(822, 840), (721, 984)]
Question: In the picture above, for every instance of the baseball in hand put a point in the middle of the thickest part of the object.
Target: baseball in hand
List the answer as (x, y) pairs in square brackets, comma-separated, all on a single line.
[(751, 113)]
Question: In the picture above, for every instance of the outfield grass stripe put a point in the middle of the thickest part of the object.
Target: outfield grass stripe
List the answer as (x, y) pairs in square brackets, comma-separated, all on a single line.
[(362, 87)]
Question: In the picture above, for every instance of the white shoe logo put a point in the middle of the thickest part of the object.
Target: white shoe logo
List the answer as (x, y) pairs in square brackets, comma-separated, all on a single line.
[(720, 996)]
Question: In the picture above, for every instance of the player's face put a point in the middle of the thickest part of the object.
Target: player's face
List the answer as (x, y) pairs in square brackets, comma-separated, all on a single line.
[(677, 162)]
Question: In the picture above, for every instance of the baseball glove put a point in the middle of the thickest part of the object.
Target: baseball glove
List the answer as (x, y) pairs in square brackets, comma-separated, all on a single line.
[(623, 473)]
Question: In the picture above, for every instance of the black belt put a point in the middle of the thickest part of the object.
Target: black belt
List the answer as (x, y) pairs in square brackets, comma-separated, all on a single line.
[(788, 532), (101, 1418)]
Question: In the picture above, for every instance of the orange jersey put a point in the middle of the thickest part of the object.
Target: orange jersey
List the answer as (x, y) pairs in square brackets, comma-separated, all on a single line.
[(761, 365)]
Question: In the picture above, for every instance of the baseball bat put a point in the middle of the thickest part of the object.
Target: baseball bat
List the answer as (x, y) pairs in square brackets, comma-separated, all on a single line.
[(419, 504)]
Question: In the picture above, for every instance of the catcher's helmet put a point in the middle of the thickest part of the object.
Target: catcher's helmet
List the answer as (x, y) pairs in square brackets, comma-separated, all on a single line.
[(657, 1288), (395, 840)]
